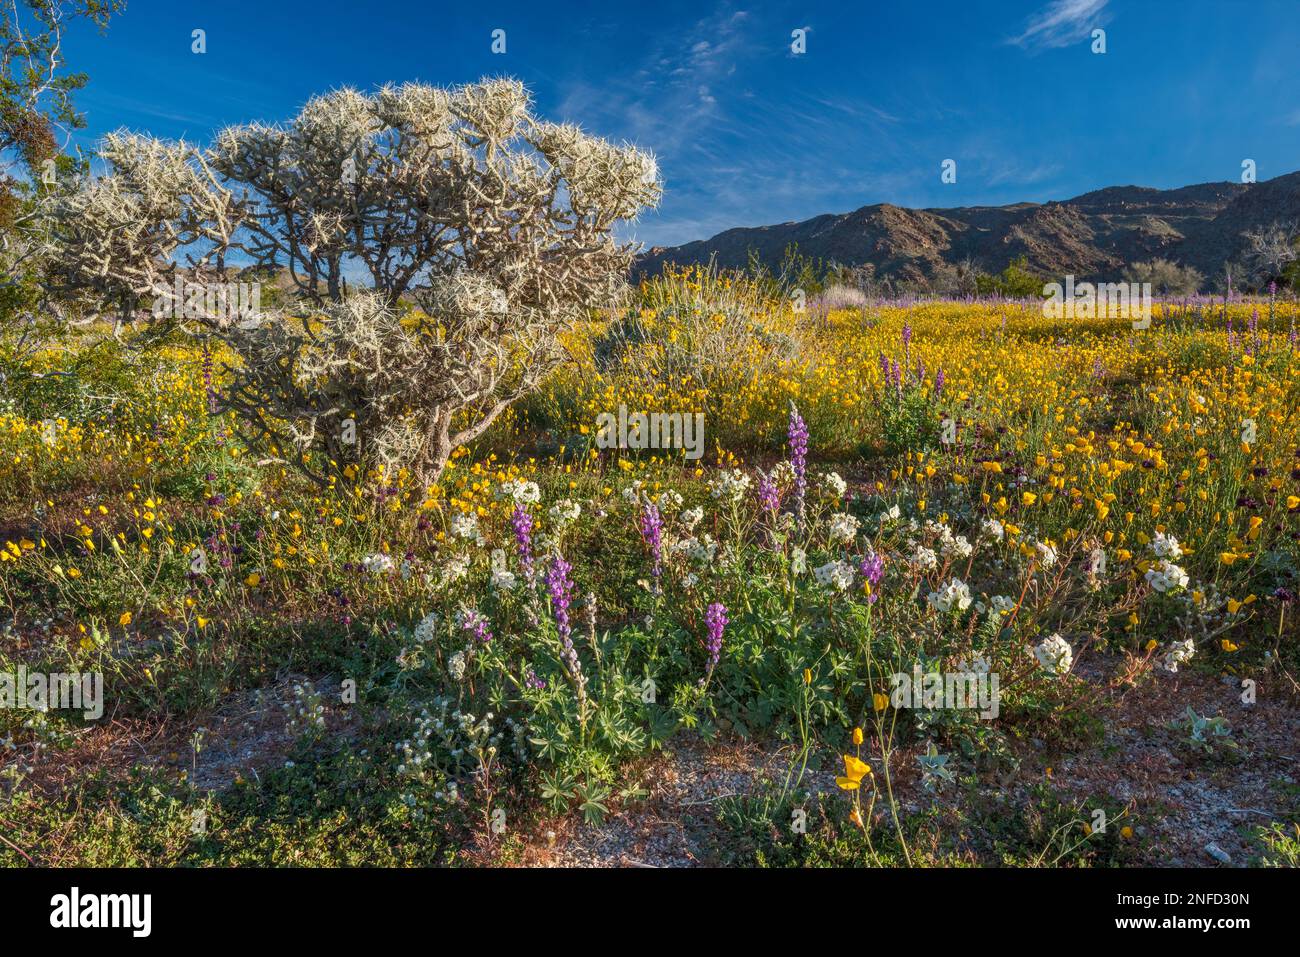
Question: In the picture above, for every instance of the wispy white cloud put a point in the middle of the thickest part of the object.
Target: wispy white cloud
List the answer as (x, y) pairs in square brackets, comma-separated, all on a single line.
[(1061, 23)]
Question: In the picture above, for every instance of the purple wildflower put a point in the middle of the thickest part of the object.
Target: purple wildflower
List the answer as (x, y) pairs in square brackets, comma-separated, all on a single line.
[(872, 568), (938, 382), (522, 520), (715, 617), (652, 528), (560, 586), (769, 496), (476, 624), (532, 682), (799, 459)]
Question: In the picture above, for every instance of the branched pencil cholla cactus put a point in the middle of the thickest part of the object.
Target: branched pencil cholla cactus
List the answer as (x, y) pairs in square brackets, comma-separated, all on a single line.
[(119, 236), (470, 232)]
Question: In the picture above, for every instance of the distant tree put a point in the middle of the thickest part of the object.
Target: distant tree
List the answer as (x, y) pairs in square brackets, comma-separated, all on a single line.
[(1016, 281), (1166, 278), (37, 116), (1269, 251), (956, 279)]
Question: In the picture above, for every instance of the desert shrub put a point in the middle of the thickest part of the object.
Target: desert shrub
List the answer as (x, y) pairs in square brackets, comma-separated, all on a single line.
[(842, 297), (1166, 278), (697, 328), (1016, 281)]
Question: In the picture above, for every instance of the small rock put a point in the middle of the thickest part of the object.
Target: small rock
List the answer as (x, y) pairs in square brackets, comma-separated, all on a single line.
[(1218, 853)]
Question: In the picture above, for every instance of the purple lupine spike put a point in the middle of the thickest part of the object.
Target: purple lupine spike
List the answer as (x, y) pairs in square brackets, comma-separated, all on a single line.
[(769, 496), (652, 528), (798, 436), (522, 522), (715, 618), (938, 382), (476, 624), (872, 569), (560, 586)]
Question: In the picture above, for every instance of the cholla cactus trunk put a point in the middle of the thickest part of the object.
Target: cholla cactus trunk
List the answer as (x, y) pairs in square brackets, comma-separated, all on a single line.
[(798, 436)]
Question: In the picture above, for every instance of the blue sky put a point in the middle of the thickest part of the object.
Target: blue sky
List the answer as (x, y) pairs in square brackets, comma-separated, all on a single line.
[(747, 132)]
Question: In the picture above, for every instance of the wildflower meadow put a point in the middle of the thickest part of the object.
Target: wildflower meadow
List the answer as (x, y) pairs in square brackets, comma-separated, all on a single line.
[(381, 487)]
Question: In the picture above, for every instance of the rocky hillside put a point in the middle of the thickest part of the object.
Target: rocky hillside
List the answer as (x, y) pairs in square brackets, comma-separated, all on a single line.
[(1092, 236)]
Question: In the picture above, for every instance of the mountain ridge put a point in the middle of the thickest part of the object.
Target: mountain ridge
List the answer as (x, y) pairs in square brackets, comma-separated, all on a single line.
[(1093, 235)]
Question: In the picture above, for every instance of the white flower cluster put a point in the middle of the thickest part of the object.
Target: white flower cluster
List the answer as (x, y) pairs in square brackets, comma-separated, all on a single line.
[(520, 491), (1055, 655), (465, 525), (833, 486), (1166, 576), (377, 563), (669, 500), (837, 575), (924, 558), (306, 713), (427, 628), (730, 486), (1166, 546), (954, 594), (502, 578), (1002, 605), (782, 473), (1179, 653), (564, 511), (702, 550), (956, 546), (456, 666), (843, 527), (457, 567)]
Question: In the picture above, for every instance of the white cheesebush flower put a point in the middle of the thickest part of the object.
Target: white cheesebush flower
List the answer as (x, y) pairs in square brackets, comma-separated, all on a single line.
[(1055, 655)]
